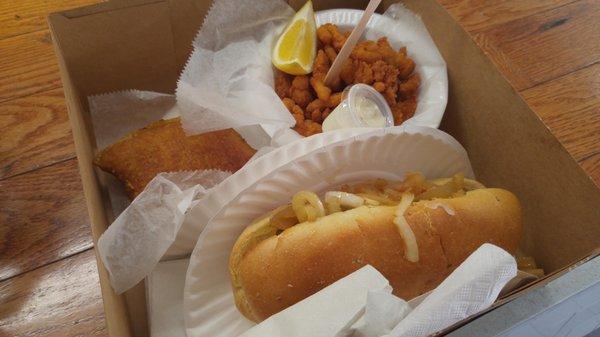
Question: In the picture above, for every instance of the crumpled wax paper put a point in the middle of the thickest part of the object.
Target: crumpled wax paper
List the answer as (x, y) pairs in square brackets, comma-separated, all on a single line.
[(135, 242), (116, 114), (228, 80)]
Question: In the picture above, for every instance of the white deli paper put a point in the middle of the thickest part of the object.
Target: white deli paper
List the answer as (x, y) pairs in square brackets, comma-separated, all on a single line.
[(139, 237), (118, 113), (326, 312), (472, 287), (228, 80)]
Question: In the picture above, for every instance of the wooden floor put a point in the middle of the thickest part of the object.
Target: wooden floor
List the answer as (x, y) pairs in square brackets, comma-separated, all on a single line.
[(548, 49)]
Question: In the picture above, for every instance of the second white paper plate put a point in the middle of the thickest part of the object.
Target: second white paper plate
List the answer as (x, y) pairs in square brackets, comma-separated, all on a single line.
[(209, 308)]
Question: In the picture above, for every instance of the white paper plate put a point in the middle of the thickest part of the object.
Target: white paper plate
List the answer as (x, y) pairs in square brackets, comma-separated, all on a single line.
[(404, 30), (386, 153)]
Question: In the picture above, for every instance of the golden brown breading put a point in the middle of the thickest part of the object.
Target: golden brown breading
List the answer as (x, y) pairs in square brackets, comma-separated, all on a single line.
[(283, 83), (300, 91), (367, 51), (289, 103), (379, 86), (363, 73), (323, 92), (317, 104), (308, 128), (409, 87), (334, 100), (321, 64), (347, 72), (404, 110), (163, 147), (329, 34), (331, 53)]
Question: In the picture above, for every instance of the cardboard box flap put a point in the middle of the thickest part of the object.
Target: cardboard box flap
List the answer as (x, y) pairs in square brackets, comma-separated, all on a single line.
[(105, 52), (103, 7)]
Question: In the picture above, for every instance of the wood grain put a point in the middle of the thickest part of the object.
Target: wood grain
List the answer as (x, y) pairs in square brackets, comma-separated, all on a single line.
[(59, 300), (20, 17), (35, 132), (591, 165), (481, 14), (28, 65), (570, 107), (544, 46), (44, 218)]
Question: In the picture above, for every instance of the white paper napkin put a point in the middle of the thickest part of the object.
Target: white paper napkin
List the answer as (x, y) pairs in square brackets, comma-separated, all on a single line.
[(472, 287), (134, 243), (358, 306), (382, 312)]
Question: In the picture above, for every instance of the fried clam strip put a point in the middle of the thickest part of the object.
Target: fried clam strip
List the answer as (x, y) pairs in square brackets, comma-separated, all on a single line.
[(390, 72)]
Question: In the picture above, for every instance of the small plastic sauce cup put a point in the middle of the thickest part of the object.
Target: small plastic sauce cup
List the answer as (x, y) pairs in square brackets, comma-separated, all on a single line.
[(361, 106)]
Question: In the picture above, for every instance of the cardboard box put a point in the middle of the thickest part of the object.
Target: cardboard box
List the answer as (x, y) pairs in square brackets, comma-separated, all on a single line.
[(143, 44)]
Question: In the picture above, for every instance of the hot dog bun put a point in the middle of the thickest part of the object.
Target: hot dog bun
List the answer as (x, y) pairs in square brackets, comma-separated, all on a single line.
[(270, 272)]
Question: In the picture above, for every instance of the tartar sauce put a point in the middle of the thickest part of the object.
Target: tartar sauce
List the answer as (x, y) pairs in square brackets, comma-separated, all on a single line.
[(361, 106), (369, 112)]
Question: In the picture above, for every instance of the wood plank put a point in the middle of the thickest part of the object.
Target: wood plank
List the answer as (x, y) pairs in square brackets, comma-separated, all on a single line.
[(591, 165), (482, 14), (570, 107), (541, 47), (61, 300), (35, 133), (26, 16), (28, 65), (44, 218)]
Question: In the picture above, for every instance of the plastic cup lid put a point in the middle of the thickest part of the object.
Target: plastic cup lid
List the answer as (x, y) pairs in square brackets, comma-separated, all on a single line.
[(351, 93)]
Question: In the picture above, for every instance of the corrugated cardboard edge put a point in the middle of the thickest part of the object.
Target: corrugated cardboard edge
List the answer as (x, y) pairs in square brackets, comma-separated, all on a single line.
[(115, 310)]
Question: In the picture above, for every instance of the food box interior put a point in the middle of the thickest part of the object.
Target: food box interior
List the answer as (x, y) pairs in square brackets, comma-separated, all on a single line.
[(144, 44)]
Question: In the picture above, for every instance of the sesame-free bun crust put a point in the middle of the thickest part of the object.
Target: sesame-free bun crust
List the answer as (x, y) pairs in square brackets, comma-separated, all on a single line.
[(271, 272)]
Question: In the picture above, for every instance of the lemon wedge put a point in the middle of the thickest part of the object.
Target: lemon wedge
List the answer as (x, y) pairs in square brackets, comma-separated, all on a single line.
[(295, 50)]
